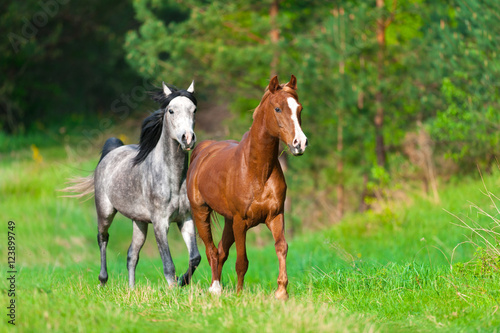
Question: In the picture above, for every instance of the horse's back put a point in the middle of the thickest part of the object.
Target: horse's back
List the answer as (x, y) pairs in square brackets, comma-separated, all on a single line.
[(115, 163), (117, 155), (109, 145)]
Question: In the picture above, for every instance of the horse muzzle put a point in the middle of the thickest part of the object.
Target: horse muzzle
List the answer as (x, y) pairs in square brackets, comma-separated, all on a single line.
[(188, 141), (297, 147)]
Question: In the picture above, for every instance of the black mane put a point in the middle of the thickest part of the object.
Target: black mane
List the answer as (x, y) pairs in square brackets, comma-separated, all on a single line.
[(152, 125)]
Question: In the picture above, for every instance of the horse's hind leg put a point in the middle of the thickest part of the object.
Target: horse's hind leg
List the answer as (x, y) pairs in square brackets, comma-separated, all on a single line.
[(201, 215), (104, 221), (188, 233), (225, 244), (140, 231)]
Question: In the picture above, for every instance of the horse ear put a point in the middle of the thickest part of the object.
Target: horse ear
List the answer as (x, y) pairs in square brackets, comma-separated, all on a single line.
[(293, 83), (274, 84), (191, 88), (165, 89)]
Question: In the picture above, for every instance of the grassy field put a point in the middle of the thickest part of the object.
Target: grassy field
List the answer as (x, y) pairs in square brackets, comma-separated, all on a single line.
[(389, 272)]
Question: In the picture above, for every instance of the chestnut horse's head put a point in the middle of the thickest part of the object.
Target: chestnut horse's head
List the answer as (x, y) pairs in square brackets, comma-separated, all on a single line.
[(283, 115)]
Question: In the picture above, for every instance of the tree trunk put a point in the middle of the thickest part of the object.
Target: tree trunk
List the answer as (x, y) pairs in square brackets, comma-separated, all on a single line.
[(379, 98), (363, 206)]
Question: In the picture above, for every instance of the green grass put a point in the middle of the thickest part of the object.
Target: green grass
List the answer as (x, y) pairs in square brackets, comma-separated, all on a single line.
[(387, 272)]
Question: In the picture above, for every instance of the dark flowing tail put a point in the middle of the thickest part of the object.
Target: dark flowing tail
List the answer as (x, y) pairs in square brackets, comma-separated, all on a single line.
[(84, 186)]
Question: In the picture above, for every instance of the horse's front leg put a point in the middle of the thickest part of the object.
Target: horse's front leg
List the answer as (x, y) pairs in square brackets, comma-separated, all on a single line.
[(277, 227), (189, 234), (161, 227), (201, 215), (240, 234)]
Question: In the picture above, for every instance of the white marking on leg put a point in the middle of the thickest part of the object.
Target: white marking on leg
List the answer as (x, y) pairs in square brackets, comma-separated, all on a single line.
[(187, 232), (300, 137), (216, 288)]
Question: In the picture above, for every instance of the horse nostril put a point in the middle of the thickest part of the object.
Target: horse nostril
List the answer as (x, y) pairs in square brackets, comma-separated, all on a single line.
[(307, 142), (295, 142)]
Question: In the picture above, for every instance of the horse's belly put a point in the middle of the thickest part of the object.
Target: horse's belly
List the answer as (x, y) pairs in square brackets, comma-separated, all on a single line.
[(136, 212), (219, 206), (260, 213)]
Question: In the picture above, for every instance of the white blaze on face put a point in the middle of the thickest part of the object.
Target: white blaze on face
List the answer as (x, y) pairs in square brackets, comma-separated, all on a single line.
[(300, 137)]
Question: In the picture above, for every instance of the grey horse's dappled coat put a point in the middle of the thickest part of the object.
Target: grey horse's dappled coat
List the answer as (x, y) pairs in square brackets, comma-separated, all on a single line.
[(147, 183)]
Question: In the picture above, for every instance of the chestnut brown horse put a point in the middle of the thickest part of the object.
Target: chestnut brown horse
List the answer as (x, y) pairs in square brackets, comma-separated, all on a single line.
[(244, 182)]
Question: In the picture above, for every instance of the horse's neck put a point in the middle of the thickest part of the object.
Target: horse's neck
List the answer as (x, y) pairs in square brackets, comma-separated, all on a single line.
[(168, 160), (263, 149)]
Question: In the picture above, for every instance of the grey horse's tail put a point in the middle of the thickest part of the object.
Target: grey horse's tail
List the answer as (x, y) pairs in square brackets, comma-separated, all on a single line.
[(84, 186), (80, 187)]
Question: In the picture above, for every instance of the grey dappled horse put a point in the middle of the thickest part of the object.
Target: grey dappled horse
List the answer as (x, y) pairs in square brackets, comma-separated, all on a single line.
[(147, 183)]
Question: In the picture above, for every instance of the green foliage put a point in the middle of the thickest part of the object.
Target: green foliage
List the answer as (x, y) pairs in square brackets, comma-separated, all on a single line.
[(222, 45), (467, 123), (486, 262), (482, 224), (58, 59)]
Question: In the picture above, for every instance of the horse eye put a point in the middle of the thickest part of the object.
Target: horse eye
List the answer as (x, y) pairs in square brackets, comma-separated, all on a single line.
[(277, 109), (170, 111)]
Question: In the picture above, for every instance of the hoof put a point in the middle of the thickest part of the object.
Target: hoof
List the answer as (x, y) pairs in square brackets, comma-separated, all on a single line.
[(183, 281), (282, 295), (215, 289), (103, 280), (172, 281)]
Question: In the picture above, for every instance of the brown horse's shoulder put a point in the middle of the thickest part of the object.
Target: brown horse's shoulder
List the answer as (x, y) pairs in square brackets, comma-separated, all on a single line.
[(211, 149), (199, 147), (277, 183)]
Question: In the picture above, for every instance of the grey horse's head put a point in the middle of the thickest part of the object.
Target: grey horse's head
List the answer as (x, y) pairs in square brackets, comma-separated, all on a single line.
[(179, 115), (175, 120)]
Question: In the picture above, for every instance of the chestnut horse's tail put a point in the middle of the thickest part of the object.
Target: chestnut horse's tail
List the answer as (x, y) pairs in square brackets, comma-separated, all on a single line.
[(84, 186)]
